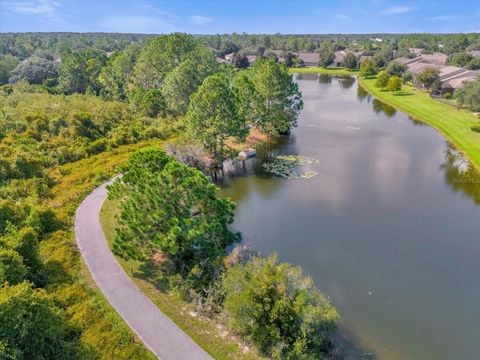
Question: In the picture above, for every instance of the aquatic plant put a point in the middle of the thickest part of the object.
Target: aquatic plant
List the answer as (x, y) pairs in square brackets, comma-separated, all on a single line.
[(290, 166)]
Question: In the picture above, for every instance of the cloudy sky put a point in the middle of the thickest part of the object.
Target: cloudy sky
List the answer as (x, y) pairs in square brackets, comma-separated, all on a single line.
[(251, 16)]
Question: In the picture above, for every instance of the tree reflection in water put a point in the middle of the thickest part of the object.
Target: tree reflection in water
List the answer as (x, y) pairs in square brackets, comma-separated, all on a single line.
[(461, 175)]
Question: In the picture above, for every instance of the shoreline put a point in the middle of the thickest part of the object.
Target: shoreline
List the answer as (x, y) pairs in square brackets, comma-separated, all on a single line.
[(453, 124)]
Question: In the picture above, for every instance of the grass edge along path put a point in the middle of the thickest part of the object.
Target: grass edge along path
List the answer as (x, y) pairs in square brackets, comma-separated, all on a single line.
[(454, 124), (211, 336), (87, 307)]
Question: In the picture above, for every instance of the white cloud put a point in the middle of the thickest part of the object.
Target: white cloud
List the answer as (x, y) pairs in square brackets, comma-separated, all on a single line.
[(200, 20), (137, 24), (397, 10), (444, 17), (47, 8)]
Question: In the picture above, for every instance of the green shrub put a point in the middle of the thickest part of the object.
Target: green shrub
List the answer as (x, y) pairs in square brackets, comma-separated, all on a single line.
[(447, 95), (278, 309), (476, 128)]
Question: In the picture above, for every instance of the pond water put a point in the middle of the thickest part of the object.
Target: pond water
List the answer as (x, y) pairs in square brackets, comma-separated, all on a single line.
[(388, 229)]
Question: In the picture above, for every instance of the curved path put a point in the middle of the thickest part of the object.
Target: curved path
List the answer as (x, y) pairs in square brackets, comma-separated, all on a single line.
[(165, 339)]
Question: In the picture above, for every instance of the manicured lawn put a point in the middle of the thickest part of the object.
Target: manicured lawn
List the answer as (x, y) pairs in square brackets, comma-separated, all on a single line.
[(320, 70), (207, 333), (452, 123)]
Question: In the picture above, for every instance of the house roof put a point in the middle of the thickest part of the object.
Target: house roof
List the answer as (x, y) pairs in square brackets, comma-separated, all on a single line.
[(435, 58), (251, 58), (229, 56), (276, 52), (458, 81), (475, 53), (449, 71), (419, 66), (416, 51), (309, 57), (339, 56)]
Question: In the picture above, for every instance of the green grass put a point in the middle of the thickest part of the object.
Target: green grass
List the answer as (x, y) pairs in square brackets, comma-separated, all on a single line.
[(150, 281), (452, 123), (321, 70)]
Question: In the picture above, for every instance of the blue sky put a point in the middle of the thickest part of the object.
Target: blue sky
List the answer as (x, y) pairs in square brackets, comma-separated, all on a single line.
[(251, 16)]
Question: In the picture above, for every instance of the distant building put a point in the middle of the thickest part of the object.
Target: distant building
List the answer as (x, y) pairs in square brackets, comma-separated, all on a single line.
[(309, 59), (417, 51), (251, 58), (339, 58), (229, 57), (452, 77), (475, 53)]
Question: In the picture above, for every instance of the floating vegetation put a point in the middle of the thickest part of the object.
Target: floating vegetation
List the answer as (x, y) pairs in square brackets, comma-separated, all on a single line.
[(291, 166)]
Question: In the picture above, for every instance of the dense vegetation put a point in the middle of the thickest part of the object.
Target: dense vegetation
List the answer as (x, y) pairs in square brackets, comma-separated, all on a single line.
[(73, 107), (171, 210), (54, 117), (46, 309)]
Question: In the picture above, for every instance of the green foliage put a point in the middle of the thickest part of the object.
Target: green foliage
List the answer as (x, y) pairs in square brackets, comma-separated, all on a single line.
[(326, 56), (30, 324), (350, 61), (394, 84), (367, 68), (12, 269), (25, 243), (396, 68), (79, 71), (382, 79), (7, 64), (213, 114), (468, 95), (428, 77), (183, 81), (460, 59), (172, 208), (278, 309), (476, 128), (280, 100), (115, 75), (161, 56), (34, 70)]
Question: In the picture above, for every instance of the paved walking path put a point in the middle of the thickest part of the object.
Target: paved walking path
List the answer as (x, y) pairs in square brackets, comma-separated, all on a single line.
[(165, 339)]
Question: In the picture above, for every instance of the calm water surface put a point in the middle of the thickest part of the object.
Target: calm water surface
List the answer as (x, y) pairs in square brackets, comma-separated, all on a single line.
[(389, 228)]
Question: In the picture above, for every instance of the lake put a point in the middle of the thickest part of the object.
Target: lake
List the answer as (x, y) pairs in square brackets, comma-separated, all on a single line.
[(388, 229)]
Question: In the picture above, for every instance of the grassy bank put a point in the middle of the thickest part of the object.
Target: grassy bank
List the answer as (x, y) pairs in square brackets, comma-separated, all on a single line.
[(104, 334), (452, 123), (320, 70), (208, 334)]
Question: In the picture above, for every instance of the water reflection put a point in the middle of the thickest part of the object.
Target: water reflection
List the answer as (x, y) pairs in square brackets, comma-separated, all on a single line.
[(324, 79), (347, 81), (387, 224), (379, 107), (362, 94), (461, 175)]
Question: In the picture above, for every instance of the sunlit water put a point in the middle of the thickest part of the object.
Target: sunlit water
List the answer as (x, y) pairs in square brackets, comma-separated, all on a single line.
[(389, 229)]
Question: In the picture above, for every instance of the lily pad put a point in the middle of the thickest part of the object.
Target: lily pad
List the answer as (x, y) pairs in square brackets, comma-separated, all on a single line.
[(290, 166)]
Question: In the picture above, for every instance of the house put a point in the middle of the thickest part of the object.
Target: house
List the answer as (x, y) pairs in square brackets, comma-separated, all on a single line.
[(453, 82), (416, 51), (229, 57), (475, 53), (436, 58), (309, 59), (448, 72), (251, 58), (339, 58), (418, 66)]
